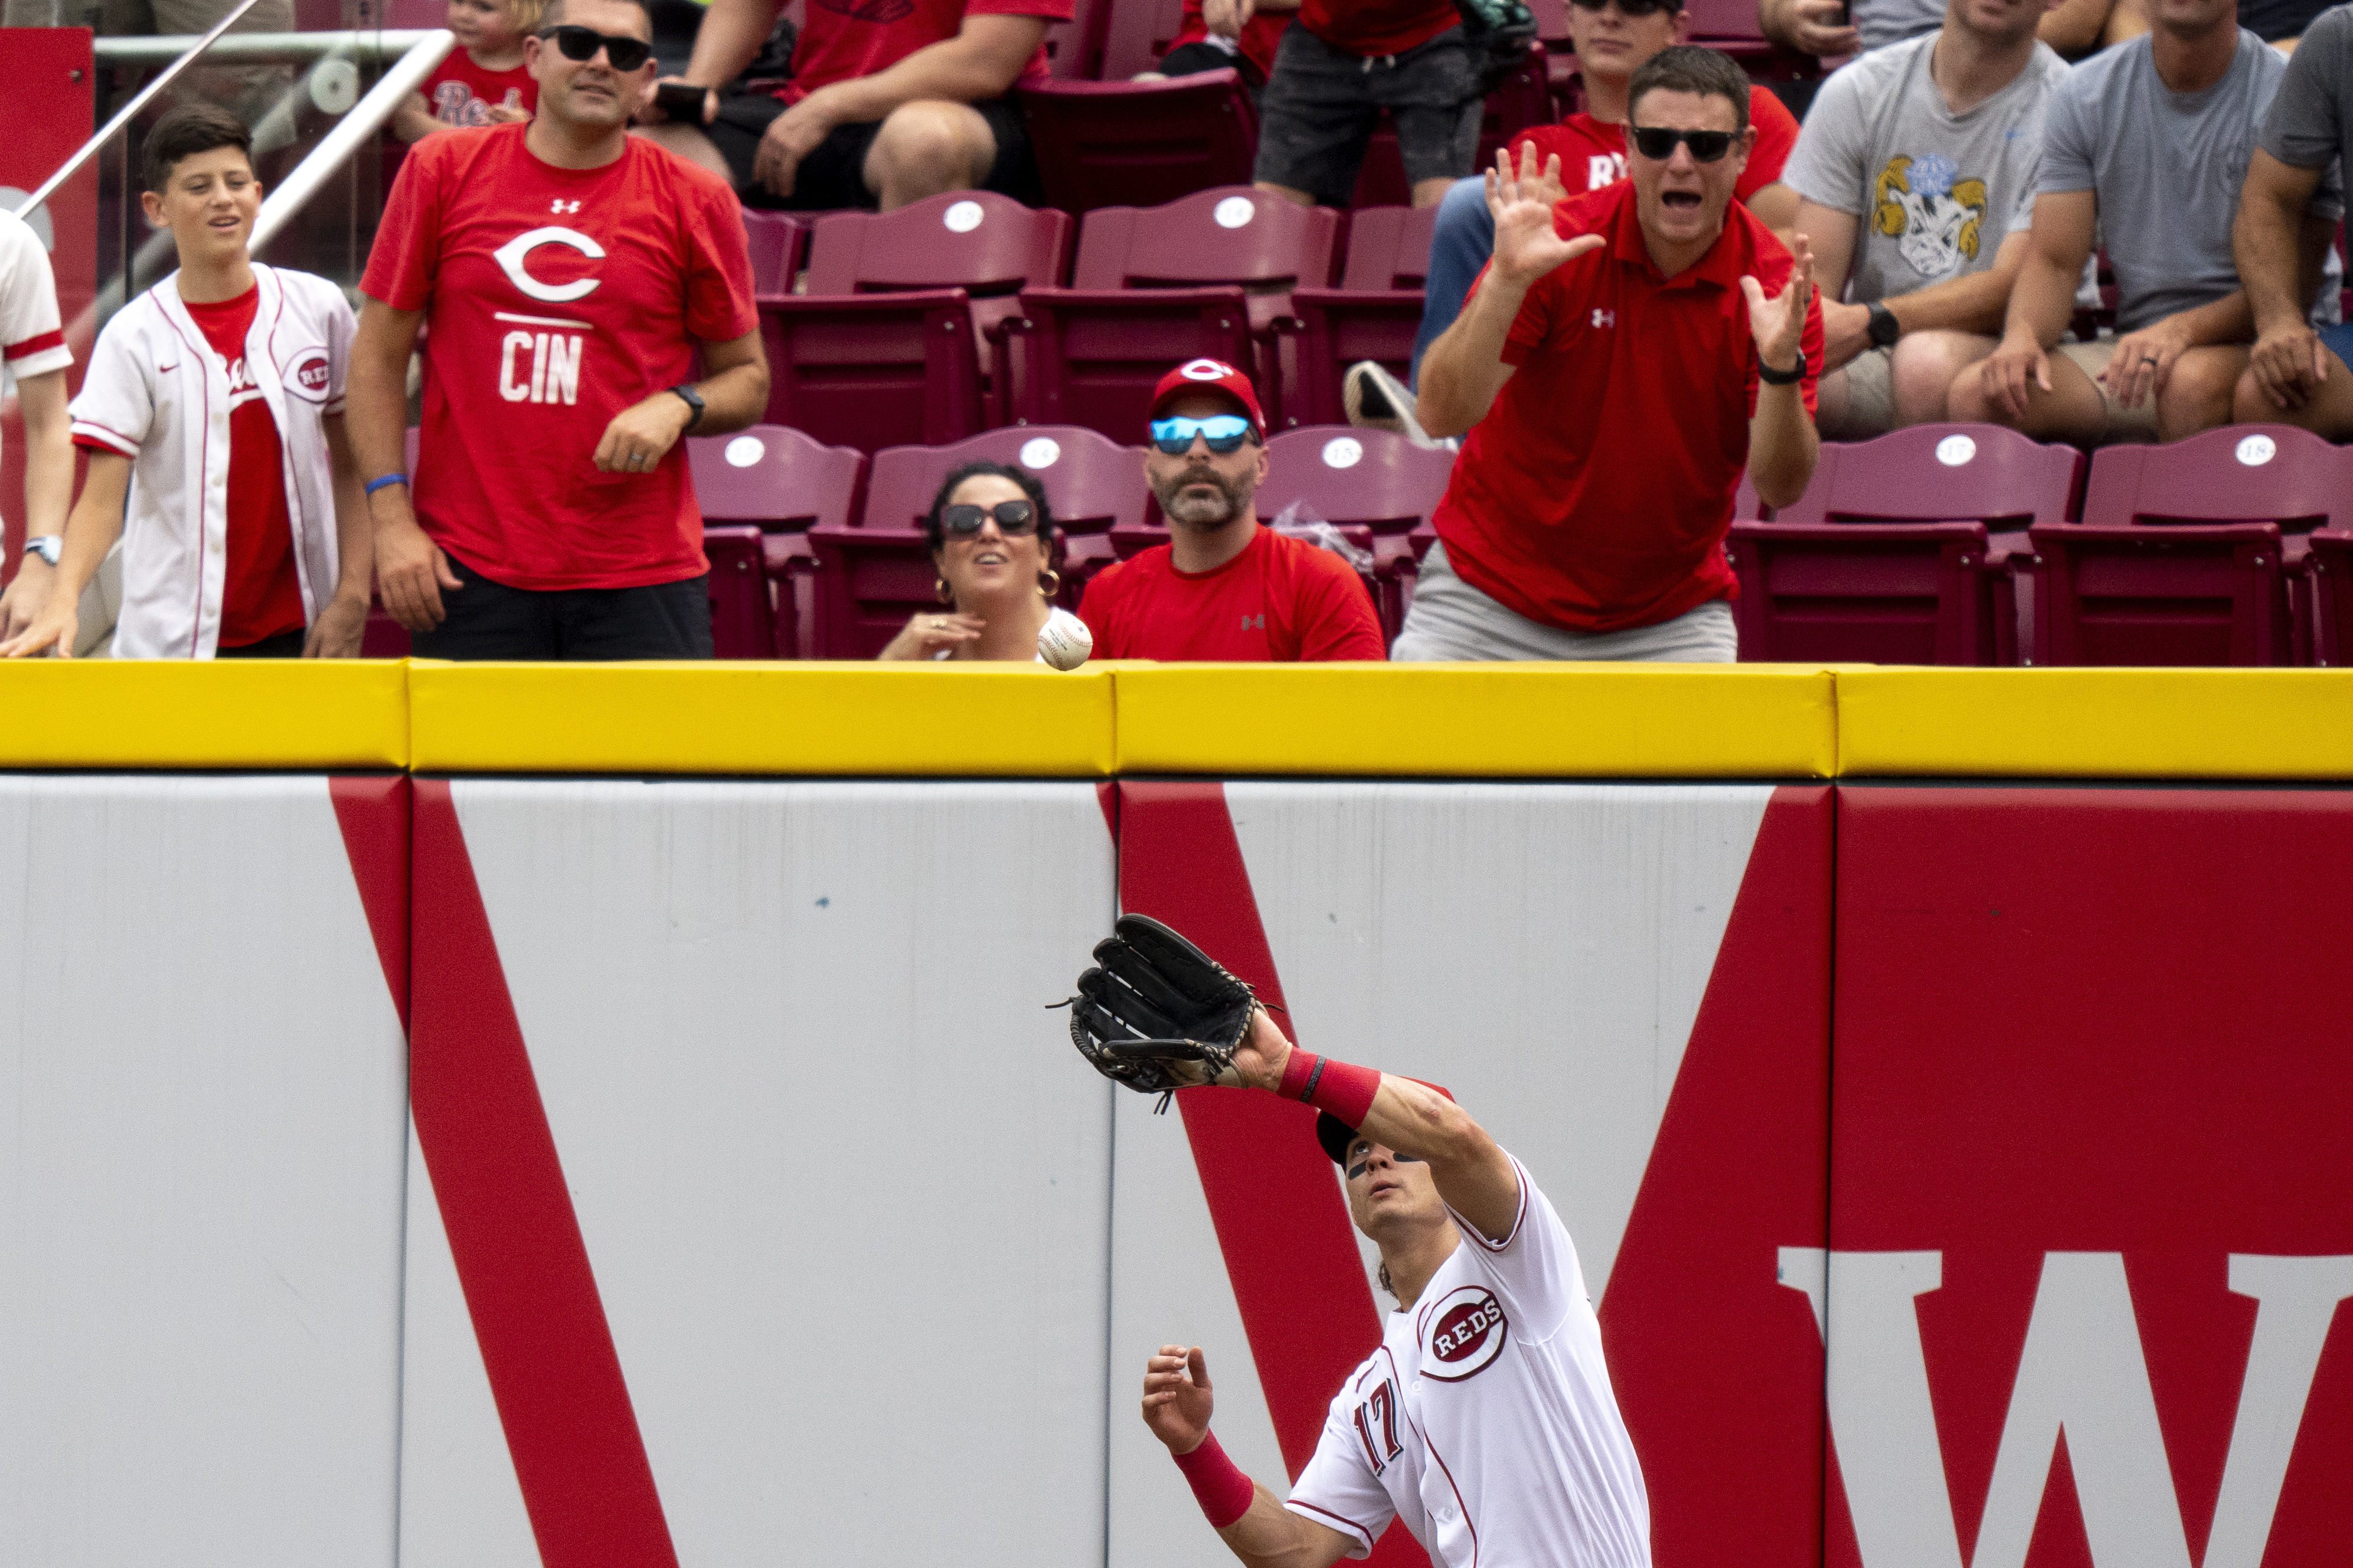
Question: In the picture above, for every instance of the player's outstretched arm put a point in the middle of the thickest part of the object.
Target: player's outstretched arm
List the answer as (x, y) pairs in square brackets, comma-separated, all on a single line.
[(1248, 1518), (1473, 1175)]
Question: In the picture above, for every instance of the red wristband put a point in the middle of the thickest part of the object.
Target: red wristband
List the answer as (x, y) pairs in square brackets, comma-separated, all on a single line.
[(1345, 1090), (1221, 1490), (1299, 1075)]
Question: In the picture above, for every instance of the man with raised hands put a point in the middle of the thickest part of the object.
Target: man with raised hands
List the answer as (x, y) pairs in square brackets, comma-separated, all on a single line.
[(1485, 1419)]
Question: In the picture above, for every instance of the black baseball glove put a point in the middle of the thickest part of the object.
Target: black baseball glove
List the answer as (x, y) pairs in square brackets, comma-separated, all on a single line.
[(1157, 1012)]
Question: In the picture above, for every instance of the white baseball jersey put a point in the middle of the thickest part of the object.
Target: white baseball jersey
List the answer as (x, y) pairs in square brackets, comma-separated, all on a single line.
[(31, 341), (1485, 1421), (156, 392)]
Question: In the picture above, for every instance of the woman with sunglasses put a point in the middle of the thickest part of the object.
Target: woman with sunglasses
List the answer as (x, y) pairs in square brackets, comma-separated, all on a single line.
[(995, 549)]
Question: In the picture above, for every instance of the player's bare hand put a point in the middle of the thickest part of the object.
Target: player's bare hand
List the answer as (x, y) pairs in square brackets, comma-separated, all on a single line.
[(2290, 363), (1177, 1398), (2011, 371), (1226, 18), (2137, 370), (336, 633), (1818, 27), (1527, 244), (1264, 1052), (639, 434), (410, 573), (1779, 324), (651, 113), (789, 138), (934, 632), (53, 629), (24, 598)]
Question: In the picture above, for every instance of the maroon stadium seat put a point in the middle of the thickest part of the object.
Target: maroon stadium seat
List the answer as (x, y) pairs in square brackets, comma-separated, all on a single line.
[(778, 241), (1100, 143), (743, 619), (871, 578), (873, 371), (1899, 551), (1368, 478), (1137, 34), (2178, 560), (1372, 314), (1074, 50), (1210, 275), (781, 484)]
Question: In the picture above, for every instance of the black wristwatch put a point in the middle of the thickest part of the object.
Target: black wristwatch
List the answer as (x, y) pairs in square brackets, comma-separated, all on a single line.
[(1790, 377), (693, 401), (1884, 328)]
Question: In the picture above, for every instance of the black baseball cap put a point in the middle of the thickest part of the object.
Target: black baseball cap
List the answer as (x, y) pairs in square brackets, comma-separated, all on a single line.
[(1335, 1135)]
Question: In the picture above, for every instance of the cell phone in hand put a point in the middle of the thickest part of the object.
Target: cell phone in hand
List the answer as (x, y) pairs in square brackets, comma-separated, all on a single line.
[(680, 100)]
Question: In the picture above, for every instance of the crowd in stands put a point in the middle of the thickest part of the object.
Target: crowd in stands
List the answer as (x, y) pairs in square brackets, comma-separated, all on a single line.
[(1675, 290)]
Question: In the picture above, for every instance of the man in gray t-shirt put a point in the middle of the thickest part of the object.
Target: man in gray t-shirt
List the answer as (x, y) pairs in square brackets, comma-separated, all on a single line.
[(2145, 145), (1913, 169), (2297, 375)]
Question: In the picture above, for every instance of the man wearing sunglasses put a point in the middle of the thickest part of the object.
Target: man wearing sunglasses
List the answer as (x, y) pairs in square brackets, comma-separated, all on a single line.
[(1625, 357), (1915, 178), (1584, 151), (1225, 586), (571, 274)]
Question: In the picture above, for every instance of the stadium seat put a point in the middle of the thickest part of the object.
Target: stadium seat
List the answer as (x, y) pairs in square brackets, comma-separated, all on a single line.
[(1900, 551), (781, 484), (1210, 275), (1074, 50), (778, 241), (743, 622), (1137, 34), (865, 267), (1100, 143), (1372, 314), (2185, 551), (1371, 480), (871, 578), (873, 371)]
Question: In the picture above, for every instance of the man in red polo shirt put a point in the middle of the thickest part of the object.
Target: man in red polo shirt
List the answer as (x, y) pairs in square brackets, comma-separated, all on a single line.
[(1617, 367), (1225, 586)]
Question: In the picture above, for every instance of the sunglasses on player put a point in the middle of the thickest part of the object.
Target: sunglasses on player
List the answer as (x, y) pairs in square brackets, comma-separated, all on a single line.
[(576, 43), (1658, 144), (1014, 517), (1631, 7), (1223, 432)]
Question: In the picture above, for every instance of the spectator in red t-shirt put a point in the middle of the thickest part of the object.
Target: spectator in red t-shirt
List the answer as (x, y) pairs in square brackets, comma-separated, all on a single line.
[(1227, 35), (1224, 587), (482, 81), (890, 101), (1612, 39), (570, 273), (1617, 367), (1343, 62)]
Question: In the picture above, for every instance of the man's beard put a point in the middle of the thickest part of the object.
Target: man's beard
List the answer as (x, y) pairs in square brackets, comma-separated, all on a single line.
[(1200, 511)]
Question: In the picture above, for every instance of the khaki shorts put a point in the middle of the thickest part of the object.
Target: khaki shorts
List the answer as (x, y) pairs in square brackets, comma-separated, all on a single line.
[(1870, 397), (2123, 423)]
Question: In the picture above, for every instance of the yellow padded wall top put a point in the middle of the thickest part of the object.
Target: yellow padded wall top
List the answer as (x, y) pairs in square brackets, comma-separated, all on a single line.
[(233, 713)]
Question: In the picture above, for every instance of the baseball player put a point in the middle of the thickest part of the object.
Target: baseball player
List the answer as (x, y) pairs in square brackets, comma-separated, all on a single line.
[(1485, 1420)]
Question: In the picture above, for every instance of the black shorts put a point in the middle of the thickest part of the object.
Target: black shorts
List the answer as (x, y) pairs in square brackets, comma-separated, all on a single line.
[(489, 620), (1320, 104), (833, 175), (285, 645)]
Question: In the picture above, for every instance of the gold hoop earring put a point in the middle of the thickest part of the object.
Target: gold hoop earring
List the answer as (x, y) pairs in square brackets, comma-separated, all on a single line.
[(941, 591), (1050, 581)]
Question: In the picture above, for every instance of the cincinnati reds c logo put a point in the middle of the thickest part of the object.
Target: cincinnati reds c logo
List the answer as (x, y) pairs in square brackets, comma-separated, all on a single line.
[(509, 258), (1204, 370), (1467, 1331)]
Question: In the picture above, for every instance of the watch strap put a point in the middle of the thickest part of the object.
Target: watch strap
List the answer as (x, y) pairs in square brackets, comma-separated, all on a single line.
[(1789, 377), (49, 547), (1884, 328), (693, 401)]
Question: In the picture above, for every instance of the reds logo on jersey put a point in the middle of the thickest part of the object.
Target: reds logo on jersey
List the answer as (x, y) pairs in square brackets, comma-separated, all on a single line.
[(1463, 1334), (309, 377)]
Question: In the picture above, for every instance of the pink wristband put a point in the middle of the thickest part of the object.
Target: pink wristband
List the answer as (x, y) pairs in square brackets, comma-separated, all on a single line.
[(1221, 1490)]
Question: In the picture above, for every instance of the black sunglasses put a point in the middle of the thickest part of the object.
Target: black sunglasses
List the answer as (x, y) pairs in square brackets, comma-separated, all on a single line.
[(1014, 517), (1657, 142), (1631, 7), (577, 43)]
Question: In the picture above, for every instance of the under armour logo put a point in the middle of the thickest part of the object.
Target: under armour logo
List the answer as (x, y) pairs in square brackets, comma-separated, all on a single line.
[(1605, 318), (561, 205), (1253, 623)]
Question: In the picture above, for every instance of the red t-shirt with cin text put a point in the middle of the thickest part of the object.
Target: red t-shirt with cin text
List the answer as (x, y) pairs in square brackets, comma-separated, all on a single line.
[(1375, 28), (556, 298), (1280, 600), (1592, 152), (461, 93), (842, 40), (1544, 512), (260, 597)]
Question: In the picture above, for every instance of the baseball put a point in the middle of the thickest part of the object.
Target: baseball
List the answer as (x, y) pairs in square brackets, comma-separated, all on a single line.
[(1064, 642)]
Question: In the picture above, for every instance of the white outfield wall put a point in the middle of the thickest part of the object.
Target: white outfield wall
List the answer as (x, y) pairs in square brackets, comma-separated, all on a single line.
[(201, 1082)]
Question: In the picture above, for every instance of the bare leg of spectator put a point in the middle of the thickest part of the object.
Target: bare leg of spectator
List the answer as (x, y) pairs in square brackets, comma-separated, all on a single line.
[(1430, 192), (1925, 368), (2073, 410), (2197, 396), (690, 144), (2326, 413), (927, 147)]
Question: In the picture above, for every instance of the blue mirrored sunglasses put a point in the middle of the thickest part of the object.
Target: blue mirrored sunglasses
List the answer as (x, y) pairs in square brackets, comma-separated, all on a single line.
[(1223, 432)]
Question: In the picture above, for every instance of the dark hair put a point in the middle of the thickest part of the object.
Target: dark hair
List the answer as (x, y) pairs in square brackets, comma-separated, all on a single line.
[(1687, 67), (191, 129), (553, 13), (935, 531)]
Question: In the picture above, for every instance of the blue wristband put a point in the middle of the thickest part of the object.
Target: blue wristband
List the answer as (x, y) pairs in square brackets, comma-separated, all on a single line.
[(376, 485)]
